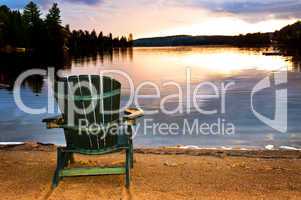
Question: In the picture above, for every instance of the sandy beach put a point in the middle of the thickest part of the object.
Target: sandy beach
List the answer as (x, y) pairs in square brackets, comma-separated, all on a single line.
[(163, 173)]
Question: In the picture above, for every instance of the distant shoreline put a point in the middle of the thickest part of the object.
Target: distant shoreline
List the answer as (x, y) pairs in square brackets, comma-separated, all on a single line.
[(255, 39), (208, 45), (286, 37)]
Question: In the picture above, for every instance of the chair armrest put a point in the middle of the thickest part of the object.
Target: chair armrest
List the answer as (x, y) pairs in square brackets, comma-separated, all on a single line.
[(133, 113), (51, 119), (54, 122)]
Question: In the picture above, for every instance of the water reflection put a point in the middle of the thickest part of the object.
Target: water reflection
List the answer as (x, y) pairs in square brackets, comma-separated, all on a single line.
[(296, 62), (105, 56), (35, 83), (157, 64), (11, 66), (245, 66), (169, 63)]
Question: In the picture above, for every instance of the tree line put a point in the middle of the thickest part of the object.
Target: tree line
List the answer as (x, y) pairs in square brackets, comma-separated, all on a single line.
[(251, 39), (289, 36), (29, 31)]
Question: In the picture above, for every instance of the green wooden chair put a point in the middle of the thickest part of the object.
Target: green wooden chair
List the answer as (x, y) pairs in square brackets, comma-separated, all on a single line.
[(100, 97)]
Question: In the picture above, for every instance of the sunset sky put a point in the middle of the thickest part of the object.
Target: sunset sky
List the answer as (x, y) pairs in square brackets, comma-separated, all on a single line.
[(147, 18)]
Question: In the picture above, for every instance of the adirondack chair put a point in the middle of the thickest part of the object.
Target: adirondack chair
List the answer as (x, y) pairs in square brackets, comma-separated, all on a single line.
[(103, 93)]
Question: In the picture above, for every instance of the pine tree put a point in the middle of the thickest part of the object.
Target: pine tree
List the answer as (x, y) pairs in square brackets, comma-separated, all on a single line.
[(130, 40), (31, 14), (54, 15), (56, 34), (34, 25)]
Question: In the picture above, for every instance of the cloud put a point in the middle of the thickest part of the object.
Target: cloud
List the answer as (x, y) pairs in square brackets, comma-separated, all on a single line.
[(89, 2), (250, 9), (262, 6), (45, 3), (276, 9), (164, 17)]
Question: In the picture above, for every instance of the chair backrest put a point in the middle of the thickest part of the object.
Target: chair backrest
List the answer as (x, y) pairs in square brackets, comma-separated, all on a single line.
[(91, 101)]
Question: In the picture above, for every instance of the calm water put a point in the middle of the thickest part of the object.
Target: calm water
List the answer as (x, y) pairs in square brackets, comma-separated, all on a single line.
[(244, 67)]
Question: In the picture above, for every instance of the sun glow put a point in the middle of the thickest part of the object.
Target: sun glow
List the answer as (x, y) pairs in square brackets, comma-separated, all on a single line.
[(229, 61), (228, 26), (163, 19)]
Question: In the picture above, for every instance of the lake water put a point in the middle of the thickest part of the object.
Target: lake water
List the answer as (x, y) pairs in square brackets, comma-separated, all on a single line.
[(243, 67)]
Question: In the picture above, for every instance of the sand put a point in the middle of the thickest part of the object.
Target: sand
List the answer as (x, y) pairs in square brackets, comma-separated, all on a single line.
[(165, 173)]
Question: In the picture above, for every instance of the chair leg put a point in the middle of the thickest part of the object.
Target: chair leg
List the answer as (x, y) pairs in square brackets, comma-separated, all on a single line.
[(130, 131), (71, 158), (56, 177), (127, 168), (62, 161), (132, 155)]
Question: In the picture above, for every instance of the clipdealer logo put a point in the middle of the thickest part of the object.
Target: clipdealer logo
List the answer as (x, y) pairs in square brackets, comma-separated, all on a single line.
[(278, 79)]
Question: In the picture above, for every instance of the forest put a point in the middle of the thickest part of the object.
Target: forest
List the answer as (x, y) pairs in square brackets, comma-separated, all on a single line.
[(28, 32)]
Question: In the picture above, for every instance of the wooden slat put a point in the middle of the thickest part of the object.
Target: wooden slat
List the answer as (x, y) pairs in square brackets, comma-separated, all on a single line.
[(101, 113), (107, 87), (92, 171), (72, 83), (61, 90), (84, 81), (115, 100), (95, 83), (83, 140)]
